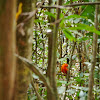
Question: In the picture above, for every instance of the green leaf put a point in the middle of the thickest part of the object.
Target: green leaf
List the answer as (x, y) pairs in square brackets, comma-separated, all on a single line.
[(98, 97), (85, 27), (63, 82), (50, 14), (68, 34), (80, 88), (33, 98), (61, 89), (41, 21), (76, 19), (80, 39), (76, 32), (62, 59), (75, 16), (70, 82), (70, 97), (88, 11), (86, 74), (71, 91), (81, 74)]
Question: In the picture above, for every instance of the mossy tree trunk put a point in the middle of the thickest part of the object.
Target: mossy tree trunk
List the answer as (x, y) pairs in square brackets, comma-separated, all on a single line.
[(7, 48), (24, 49)]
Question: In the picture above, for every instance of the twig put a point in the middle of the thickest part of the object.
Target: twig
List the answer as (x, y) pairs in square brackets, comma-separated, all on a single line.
[(30, 15), (38, 95), (71, 5)]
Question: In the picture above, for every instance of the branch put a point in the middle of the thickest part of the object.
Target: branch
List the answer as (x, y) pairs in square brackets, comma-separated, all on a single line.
[(34, 69), (71, 5)]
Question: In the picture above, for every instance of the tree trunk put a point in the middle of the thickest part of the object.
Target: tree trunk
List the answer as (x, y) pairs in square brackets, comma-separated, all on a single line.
[(24, 48), (54, 53), (91, 78), (49, 95), (7, 48)]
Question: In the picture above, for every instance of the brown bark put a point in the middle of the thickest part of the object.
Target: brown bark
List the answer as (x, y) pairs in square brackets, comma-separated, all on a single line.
[(7, 48), (52, 48), (91, 77), (71, 5), (54, 54), (49, 95), (24, 48)]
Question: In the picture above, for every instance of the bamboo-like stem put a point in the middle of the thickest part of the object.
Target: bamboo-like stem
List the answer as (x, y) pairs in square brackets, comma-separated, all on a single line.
[(91, 77)]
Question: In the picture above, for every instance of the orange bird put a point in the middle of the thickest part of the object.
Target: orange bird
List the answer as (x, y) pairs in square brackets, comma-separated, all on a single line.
[(64, 68)]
